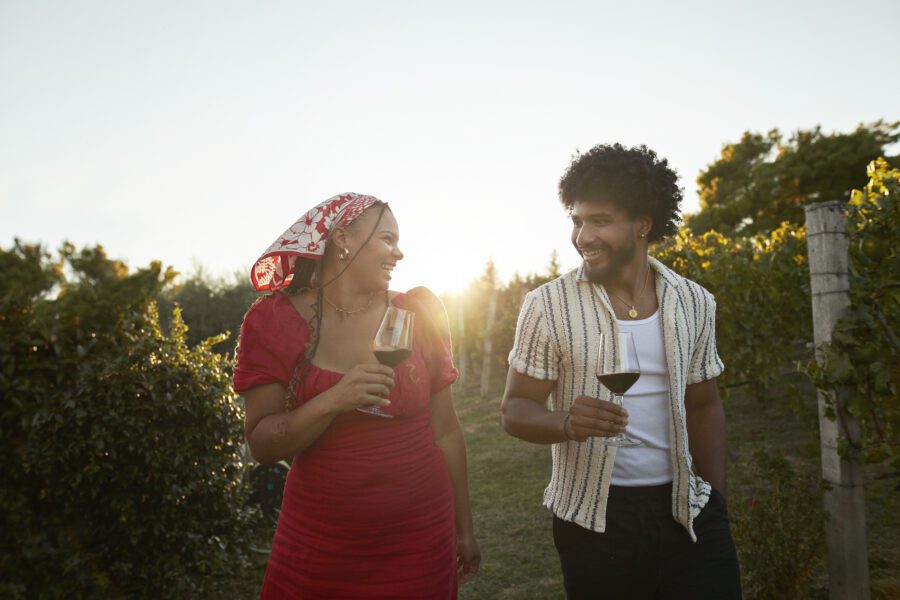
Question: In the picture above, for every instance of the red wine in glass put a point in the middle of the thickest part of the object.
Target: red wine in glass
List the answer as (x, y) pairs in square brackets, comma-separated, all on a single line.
[(619, 383), (391, 357), (617, 370), (392, 344)]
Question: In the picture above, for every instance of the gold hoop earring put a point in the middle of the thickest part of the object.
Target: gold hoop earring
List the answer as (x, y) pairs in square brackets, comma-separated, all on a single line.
[(343, 254)]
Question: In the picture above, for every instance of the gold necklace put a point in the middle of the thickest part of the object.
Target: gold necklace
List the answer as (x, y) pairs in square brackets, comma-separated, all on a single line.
[(632, 311), (344, 313)]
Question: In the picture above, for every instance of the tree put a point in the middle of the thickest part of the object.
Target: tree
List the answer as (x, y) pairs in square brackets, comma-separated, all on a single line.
[(553, 267), (120, 444), (764, 180), (209, 306)]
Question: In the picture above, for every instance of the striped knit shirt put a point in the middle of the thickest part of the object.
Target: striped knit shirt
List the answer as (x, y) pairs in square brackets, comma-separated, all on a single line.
[(557, 338)]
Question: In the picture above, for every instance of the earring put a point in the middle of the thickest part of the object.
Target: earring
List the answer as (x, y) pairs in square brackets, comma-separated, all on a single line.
[(343, 254), (643, 235)]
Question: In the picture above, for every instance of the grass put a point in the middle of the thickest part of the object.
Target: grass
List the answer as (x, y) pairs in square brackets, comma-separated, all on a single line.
[(507, 478)]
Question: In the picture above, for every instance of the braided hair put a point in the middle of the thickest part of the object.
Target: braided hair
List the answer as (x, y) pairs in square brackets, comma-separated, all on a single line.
[(307, 272)]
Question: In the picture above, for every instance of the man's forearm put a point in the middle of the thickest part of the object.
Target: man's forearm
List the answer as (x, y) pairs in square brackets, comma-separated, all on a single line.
[(529, 421)]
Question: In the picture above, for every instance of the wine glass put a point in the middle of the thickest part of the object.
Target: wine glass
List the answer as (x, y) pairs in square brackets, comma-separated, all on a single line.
[(392, 344), (618, 378)]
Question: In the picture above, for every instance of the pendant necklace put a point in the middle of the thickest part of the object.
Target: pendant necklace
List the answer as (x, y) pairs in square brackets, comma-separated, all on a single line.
[(632, 311)]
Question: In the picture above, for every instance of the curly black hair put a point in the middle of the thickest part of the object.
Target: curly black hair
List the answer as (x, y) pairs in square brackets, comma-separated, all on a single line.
[(634, 179)]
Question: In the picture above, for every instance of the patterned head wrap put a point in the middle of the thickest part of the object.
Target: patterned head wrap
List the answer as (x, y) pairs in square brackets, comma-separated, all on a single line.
[(307, 238)]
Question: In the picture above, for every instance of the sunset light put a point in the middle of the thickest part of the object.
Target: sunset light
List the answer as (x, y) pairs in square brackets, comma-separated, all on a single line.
[(151, 131)]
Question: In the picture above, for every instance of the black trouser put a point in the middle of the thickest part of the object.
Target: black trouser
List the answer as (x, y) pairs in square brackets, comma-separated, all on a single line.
[(645, 553)]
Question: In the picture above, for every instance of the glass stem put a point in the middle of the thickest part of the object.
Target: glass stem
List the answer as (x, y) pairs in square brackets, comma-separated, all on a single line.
[(619, 400)]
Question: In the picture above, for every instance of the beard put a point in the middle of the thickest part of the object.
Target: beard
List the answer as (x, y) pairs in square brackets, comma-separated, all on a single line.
[(618, 258)]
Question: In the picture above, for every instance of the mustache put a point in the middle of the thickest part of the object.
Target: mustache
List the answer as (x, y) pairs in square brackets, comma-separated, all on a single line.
[(600, 246)]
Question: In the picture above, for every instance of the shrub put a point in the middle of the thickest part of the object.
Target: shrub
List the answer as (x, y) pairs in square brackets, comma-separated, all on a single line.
[(777, 527), (210, 306), (763, 311), (121, 445)]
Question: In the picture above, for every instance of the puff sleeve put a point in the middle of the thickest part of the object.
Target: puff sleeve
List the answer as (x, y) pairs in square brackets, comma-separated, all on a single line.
[(435, 325), (262, 355)]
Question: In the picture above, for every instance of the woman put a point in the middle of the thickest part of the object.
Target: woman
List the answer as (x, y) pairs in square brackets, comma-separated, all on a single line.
[(373, 507)]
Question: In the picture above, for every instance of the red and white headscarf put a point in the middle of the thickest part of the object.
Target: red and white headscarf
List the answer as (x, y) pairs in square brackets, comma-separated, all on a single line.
[(307, 238)]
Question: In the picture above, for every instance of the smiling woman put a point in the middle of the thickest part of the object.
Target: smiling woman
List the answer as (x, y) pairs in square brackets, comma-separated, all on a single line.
[(373, 507)]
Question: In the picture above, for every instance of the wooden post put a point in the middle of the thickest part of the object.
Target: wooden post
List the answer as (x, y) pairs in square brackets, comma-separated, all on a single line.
[(488, 348), (462, 355), (848, 571)]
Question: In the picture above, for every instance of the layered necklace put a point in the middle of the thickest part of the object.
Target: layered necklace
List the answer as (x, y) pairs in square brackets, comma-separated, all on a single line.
[(632, 311)]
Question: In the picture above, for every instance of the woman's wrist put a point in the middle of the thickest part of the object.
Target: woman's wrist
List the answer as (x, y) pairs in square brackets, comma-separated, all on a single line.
[(323, 405), (464, 524)]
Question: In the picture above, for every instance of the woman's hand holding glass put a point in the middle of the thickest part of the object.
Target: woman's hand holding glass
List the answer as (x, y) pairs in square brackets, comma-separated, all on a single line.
[(363, 386), (392, 345)]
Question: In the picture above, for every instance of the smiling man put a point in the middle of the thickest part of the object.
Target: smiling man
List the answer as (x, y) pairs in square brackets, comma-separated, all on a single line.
[(647, 521)]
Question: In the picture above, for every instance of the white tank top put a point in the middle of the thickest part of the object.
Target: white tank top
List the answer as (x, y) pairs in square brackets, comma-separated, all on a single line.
[(649, 413)]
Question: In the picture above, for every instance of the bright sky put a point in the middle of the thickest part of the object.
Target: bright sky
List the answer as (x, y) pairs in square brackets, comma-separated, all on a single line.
[(195, 132)]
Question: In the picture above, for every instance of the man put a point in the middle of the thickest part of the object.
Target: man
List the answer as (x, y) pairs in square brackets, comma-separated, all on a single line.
[(629, 522)]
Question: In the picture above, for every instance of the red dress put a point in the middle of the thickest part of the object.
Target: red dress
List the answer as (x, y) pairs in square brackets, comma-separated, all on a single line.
[(368, 508)]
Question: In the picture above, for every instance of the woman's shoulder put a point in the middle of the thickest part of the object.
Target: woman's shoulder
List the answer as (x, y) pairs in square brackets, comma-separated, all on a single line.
[(271, 313), (263, 306), (416, 298), (423, 295), (425, 302)]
